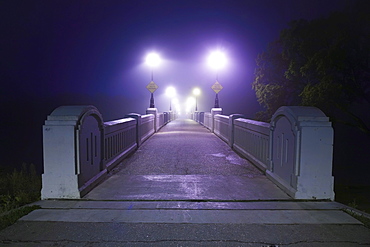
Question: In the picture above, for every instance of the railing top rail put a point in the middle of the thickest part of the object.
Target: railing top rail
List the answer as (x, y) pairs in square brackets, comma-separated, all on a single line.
[(254, 122), (147, 116), (221, 116), (119, 121)]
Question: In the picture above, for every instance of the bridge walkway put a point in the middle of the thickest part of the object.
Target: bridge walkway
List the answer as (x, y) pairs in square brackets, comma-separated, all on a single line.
[(186, 187), (185, 161)]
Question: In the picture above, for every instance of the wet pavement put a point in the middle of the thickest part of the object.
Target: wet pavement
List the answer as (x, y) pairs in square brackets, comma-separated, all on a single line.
[(186, 187), (184, 161)]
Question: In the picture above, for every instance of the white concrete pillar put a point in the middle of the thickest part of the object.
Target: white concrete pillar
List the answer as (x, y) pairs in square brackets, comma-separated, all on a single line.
[(301, 151), (64, 174), (214, 111), (154, 111)]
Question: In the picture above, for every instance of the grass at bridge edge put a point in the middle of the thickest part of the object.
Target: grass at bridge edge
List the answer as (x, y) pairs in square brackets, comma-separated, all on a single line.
[(359, 216), (10, 217), (18, 188)]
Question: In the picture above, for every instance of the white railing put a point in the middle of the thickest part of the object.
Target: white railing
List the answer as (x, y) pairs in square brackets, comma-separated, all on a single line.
[(251, 139), (119, 140), (80, 149), (161, 122), (208, 120), (294, 149), (221, 127), (147, 126), (201, 117)]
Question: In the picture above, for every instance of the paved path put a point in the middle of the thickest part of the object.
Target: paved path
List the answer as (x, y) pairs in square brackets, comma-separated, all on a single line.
[(184, 161), (186, 187)]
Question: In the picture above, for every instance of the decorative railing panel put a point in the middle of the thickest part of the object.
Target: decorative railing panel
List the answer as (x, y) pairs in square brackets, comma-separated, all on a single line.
[(208, 120), (79, 148), (295, 150), (119, 140), (221, 127), (251, 139), (161, 121), (147, 126)]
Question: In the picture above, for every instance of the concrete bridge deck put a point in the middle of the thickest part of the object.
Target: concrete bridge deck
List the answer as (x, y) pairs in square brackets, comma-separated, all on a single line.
[(186, 187), (184, 161)]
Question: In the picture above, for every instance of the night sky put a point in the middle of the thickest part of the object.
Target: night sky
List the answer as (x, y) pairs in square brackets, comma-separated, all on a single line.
[(58, 52)]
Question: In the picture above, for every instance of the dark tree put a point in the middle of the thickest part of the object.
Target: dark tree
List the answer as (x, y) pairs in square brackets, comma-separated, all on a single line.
[(323, 63)]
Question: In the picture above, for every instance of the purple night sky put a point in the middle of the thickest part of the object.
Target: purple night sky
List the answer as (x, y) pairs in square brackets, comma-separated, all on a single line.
[(55, 52)]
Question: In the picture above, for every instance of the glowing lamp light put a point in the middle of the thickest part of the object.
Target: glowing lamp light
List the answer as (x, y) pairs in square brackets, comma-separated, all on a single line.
[(217, 60), (196, 91), (153, 59), (171, 92), (190, 101)]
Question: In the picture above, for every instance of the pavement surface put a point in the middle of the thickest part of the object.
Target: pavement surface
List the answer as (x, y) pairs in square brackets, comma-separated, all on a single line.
[(186, 187)]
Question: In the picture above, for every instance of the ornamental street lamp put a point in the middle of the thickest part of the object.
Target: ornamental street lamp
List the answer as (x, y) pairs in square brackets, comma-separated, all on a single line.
[(196, 92), (153, 60), (216, 61)]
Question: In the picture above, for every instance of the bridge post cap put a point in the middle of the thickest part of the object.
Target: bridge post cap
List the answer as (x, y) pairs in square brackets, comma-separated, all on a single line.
[(301, 114), (152, 111), (215, 111), (74, 112)]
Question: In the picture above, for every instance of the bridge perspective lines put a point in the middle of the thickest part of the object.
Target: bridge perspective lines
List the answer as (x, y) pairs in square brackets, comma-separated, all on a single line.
[(181, 186), (184, 161)]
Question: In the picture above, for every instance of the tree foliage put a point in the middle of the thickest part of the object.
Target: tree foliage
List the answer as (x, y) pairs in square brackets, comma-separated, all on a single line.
[(323, 62)]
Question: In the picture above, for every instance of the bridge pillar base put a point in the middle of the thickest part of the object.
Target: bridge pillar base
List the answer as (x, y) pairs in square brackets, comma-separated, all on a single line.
[(214, 111), (301, 150), (154, 111)]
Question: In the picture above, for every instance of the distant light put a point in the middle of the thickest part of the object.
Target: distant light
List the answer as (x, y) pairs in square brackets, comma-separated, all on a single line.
[(196, 91), (153, 59), (171, 92), (190, 101), (217, 60)]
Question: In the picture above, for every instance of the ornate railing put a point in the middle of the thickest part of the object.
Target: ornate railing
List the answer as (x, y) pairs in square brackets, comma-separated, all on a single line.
[(79, 148), (294, 150)]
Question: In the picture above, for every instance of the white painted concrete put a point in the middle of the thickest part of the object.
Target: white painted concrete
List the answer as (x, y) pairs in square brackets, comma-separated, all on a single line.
[(301, 149), (214, 111), (79, 148), (61, 139)]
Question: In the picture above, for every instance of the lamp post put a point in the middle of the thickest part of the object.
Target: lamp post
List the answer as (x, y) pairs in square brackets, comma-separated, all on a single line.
[(196, 92), (153, 60), (171, 92), (217, 60)]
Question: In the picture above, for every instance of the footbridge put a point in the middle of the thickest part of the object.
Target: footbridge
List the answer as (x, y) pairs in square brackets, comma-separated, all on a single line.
[(294, 151), (208, 180)]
